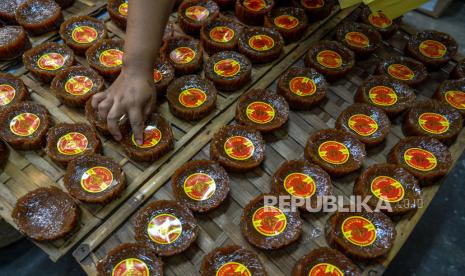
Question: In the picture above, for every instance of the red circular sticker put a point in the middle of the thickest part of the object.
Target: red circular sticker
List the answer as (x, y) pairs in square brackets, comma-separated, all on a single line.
[(302, 86), (357, 39), (199, 186), (362, 124), (261, 43), (329, 59), (182, 55), (255, 5), (192, 97), (197, 13), (299, 185), (227, 68), (401, 72), (359, 230), (382, 95), (379, 20), (157, 76), (164, 229), (387, 189), (72, 143), (260, 112), (78, 85), (420, 159), (96, 179), (111, 58), (269, 221), (152, 136), (51, 61), (123, 9), (84, 34), (286, 22), (222, 34), (131, 266), (233, 269), (239, 148), (432, 49), (433, 123), (333, 152), (325, 269), (313, 4), (25, 124), (454, 98), (7, 94)]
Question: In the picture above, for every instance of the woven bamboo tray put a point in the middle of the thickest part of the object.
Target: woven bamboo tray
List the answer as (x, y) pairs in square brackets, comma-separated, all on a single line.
[(26, 171)]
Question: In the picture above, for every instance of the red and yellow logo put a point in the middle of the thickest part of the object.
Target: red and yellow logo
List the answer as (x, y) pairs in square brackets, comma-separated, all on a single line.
[(72, 143), (157, 76), (325, 269), (199, 186), (261, 43), (24, 124), (387, 189), (51, 61), (197, 13), (227, 68), (357, 39), (260, 112), (313, 4), (379, 20), (164, 229), (84, 34), (111, 58), (269, 221), (383, 96), (222, 34), (233, 269), (362, 124), (131, 266), (359, 230), (7, 94), (333, 152), (329, 59), (152, 136), (123, 9), (287, 22), (433, 123), (400, 72), (78, 85), (300, 185), (454, 98), (302, 86), (432, 49), (255, 5), (420, 159), (182, 55), (192, 97), (239, 147), (96, 179)]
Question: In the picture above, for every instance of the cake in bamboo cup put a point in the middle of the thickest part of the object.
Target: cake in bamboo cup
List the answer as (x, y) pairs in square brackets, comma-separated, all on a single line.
[(184, 53), (118, 11), (261, 45), (316, 9), (404, 69), (12, 90), (221, 34), (81, 32), (252, 12), (38, 17), (7, 11), (361, 38), (13, 42), (290, 22), (229, 71), (452, 93), (383, 24), (193, 14), (106, 57)]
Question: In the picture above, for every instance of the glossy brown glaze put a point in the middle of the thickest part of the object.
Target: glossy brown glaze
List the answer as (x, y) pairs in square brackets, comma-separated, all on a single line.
[(245, 148), (46, 60), (13, 42), (154, 221), (403, 69), (316, 262), (459, 70), (12, 90), (261, 45), (229, 71), (193, 14), (452, 93), (81, 32), (316, 9), (118, 11), (290, 22), (379, 20), (361, 38), (184, 53), (221, 34), (39, 16), (252, 12), (434, 119), (143, 261), (427, 159), (106, 57), (45, 214), (163, 75), (24, 125), (4, 153), (7, 11), (94, 179)]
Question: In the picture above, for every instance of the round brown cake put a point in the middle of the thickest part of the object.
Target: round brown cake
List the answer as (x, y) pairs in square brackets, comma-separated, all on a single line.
[(163, 75), (379, 20), (290, 22), (193, 14), (81, 32), (12, 90), (316, 9), (361, 38), (404, 69), (221, 34), (106, 57), (261, 45), (184, 53), (118, 11), (452, 93), (7, 11), (13, 42), (39, 16), (252, 12), (229, 71)]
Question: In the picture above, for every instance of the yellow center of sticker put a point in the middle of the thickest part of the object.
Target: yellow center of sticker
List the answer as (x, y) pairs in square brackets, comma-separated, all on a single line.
[(227, 68), (233, 269), (84, 34), (123, 9), (433, 123), (51, 61), (420, 159), (255, 5), (362, 124), (157, 76), (96, 179), (260, 112), (25, 124), (359, 230), (312, 4), (261, 43), (432, 49), (269, 221), (129, 267), (164, 229), (454, 98), (382, 95), (302, 86), (182, 55), (325, 269), (357, 39), (329, 59), (197, 13), (333, 152), (7, 94), (192, 97), (387, 188), (152, 136), (111, 58), (379, 20), (199, 186), (287, 22), (78, 85), (239, 148), (400, 72), (222, 34), (72, 143), (299, 185)]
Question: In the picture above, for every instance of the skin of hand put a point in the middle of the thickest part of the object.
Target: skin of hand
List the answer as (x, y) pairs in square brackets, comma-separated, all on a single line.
[(133, 92)]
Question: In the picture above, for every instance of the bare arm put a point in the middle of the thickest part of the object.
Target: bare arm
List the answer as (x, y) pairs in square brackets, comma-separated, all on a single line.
[(133, 92)]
